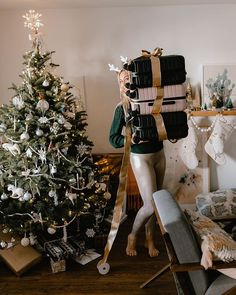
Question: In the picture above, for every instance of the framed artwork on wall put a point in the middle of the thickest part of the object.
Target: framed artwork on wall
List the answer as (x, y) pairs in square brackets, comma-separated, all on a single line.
[(218, 80), (183, 183)]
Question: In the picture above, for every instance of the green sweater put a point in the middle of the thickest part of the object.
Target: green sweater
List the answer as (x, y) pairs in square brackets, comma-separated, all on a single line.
[(117, 139)]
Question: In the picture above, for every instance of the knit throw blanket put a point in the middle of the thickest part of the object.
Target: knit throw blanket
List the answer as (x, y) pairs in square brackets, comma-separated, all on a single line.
[(215, 242)]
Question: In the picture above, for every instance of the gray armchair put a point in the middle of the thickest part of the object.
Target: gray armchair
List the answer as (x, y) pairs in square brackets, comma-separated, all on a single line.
[(185, 254)]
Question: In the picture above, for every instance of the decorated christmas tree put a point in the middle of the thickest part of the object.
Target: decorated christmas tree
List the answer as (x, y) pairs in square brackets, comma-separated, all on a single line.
[(48, 178)]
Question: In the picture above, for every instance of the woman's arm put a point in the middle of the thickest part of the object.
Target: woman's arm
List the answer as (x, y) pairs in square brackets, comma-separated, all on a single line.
[(116, 138)]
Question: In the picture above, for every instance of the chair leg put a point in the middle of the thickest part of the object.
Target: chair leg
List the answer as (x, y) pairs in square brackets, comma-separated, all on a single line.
[(160, 272)]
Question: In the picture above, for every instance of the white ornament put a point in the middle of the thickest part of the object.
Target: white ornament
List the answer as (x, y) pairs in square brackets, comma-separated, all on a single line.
[(42, 155), (71, 196), (18, 102), (61, 119), (82, 149), (90, 233), (3, 244), (53, 169), (45, 83), (51, 230), (24, 136), (67, 125), (26, 173), (39, 132), (28, 153), (17, 192), (4, 197), (36, 170), (42, 105), (65, 150), (3, 128), (55, 128), (27, 196), (53, 194), (32, 239), (25, 242), (12, 148), (43, 120), (29, 117)]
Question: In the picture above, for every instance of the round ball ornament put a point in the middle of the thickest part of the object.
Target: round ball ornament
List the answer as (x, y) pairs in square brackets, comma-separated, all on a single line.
[(65, 87), (42, 105), (25, 242), (51, 230), (27, 196), (4, 197), (39, 132), (24, 136)]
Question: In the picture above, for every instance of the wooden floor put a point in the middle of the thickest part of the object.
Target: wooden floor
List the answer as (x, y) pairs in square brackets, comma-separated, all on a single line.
[(125, 276)]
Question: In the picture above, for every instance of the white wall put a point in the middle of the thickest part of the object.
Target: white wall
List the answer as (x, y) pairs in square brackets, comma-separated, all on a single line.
[(86, 40)]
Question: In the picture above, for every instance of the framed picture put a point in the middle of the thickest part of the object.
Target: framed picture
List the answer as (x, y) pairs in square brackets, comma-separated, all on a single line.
[(215, 76), (183, 183)]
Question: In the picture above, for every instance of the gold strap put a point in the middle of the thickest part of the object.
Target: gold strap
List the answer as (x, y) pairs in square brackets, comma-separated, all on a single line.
[(156, 109), (121, 194), (156, 71), (161, 129)]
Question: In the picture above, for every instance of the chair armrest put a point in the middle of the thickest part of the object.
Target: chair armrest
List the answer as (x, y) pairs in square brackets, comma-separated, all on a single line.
[(197, 266)]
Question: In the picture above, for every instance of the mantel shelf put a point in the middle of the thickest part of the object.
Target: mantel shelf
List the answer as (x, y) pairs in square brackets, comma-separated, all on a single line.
[(213, 113)]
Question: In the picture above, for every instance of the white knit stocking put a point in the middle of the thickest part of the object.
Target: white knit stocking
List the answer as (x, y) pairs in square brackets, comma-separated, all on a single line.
[(215, 144), (188, 147)]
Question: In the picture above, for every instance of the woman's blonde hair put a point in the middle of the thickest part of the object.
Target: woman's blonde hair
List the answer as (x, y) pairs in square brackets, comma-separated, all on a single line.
[(123, 97)]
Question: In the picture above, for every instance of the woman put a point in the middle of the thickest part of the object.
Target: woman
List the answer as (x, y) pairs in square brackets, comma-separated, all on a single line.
[(148, 164)]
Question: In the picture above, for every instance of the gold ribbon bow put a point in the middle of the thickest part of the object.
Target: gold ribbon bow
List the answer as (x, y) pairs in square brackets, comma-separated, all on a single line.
[(156, 82), (157, 52)]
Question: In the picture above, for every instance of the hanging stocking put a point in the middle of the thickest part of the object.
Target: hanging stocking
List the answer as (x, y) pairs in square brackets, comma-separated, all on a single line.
[(188, 147), (215, 144)]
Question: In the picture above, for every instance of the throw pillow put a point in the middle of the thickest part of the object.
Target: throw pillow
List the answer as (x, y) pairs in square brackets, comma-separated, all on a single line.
[(221, 203)]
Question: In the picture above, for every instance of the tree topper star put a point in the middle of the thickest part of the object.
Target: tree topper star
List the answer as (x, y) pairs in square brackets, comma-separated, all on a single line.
[(32, 21)]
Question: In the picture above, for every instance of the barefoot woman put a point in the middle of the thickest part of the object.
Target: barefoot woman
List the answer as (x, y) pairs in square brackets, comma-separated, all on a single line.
[(148, 164)]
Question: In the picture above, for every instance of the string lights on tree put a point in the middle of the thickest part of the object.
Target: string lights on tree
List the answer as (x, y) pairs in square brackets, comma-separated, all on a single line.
[(47, 175)]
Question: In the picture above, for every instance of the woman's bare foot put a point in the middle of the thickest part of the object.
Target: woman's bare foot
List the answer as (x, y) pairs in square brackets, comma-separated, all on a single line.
[(131, 245), (152, 250)]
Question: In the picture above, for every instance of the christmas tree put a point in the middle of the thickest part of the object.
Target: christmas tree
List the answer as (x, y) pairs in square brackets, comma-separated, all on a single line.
[(48, 178)]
